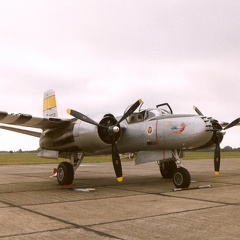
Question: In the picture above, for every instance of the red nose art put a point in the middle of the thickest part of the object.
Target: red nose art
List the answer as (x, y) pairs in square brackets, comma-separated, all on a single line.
[(184, 132)]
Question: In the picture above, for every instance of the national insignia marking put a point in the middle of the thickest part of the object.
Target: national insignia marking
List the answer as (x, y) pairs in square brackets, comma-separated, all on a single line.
[(149, 130)]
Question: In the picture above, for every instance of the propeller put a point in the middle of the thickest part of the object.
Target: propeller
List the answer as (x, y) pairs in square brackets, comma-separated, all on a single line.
[(111, 129), (217, 155), (217, 138), (83, 117), (197, 110), (233, 123)]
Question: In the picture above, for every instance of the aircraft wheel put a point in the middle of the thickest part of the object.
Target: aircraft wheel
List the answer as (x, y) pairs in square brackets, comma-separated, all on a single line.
[(65, 173), (167, 169), (181, 178)]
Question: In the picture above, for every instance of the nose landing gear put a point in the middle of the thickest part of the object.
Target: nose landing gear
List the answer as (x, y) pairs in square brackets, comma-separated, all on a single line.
[(173, 169), (181, 178)]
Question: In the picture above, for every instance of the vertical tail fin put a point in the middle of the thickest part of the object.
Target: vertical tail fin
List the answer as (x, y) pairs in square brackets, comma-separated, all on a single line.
[(49, 104)]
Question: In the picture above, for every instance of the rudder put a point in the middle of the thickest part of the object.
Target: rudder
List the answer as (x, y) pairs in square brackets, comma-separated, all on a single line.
[(49, 104)]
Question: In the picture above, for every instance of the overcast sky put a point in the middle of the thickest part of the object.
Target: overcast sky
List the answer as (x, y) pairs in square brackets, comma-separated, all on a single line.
[(103, 55)]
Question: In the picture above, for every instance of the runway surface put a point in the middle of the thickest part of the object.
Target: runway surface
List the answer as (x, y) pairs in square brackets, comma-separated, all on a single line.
[(143, 206)]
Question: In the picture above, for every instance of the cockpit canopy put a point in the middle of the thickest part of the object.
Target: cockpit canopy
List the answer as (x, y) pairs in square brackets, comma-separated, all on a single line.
[(149, 114)]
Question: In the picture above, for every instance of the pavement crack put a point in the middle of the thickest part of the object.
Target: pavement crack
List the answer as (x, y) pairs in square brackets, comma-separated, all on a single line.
[(73, 225), (35, 232), (153, 216)]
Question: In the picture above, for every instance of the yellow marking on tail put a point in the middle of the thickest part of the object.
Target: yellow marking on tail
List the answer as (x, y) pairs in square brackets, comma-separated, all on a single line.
[(49, 102)]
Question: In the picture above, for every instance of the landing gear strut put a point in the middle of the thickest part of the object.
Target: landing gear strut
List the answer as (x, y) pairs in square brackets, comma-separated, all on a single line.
[(181, 176)]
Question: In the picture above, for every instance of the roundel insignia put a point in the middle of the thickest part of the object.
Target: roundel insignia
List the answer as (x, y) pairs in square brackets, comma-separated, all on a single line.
[(149, 130)]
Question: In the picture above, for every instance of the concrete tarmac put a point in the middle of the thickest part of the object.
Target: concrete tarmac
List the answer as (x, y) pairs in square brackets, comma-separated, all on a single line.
[(143, 206)]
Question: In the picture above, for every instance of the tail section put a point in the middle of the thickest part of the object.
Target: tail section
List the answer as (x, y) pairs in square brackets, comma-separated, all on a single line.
[(49, 104)]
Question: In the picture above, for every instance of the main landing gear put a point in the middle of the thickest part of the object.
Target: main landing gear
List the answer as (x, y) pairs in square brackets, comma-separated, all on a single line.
[(66, 170), (173, 169), (65, 173)]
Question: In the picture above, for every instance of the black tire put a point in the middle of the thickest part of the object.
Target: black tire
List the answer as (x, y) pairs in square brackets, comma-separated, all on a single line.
[(65, 173), (167, 169), (181, 178)]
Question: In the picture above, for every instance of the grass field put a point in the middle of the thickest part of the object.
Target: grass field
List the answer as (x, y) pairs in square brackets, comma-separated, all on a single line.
[(210, 155), (31, 158)]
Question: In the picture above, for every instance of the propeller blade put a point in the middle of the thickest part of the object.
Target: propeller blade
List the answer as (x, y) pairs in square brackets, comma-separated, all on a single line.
[(217, 159), (115, 155), (197, 111), (131, 110), (116, 162), (233, 123), (83, 117)]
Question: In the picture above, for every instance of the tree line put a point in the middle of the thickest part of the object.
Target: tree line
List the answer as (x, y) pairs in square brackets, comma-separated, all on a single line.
[(225, 149)]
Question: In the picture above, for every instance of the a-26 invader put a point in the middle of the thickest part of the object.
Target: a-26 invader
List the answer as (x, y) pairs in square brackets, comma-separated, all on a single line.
[(154, 134)]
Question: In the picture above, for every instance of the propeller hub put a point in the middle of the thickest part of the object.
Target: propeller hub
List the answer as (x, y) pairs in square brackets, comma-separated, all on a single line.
[(116, 129), (108, 129), (112, 130)]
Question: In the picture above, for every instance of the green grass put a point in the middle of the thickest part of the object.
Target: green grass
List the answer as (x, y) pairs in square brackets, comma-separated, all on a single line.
[(209, 155), (31, 158), (23, 159)]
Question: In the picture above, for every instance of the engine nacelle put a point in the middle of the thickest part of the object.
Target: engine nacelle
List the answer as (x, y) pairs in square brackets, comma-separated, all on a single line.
[(89, 137)]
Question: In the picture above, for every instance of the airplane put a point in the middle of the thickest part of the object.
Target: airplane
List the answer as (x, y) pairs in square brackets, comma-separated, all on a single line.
[(153, 135)]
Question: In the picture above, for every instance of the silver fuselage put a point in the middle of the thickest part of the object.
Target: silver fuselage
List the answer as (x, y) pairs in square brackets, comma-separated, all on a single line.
[(163, 132)]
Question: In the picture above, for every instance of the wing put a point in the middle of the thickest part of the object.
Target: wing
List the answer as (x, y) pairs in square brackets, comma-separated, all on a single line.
[(26, 120), (23, 131)]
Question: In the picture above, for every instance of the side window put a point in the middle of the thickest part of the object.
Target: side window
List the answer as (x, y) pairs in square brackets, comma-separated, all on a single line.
[(136, 117)]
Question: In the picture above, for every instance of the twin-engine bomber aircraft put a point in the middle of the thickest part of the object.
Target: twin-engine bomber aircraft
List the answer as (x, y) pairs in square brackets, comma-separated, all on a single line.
[(154, 134)]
